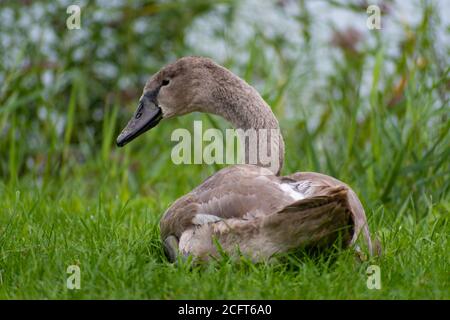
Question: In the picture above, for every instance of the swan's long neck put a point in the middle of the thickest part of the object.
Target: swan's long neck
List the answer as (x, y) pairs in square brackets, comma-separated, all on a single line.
[(244, 108)]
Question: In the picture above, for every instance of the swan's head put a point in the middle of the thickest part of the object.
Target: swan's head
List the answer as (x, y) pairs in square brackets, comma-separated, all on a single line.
[(179, 88)]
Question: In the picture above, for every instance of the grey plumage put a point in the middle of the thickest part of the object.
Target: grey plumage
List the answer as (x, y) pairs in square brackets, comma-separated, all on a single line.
[(260, 218), (249, 207)]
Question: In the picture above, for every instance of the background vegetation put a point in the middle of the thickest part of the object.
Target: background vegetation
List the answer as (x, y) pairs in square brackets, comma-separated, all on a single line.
[(368, 107)]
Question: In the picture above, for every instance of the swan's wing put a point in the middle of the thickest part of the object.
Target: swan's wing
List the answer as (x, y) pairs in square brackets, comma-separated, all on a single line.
[(246, 192), (241, 191), (315, 222), (321, 184)]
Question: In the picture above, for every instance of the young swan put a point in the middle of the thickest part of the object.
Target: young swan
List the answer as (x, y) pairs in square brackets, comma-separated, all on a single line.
[(245, 208)]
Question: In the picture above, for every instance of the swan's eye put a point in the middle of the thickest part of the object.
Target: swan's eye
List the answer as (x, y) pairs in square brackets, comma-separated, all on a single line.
[(165, 82)]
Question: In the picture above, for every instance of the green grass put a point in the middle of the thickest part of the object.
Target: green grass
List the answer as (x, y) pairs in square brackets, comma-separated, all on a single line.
[(114, 239), (70, 197)]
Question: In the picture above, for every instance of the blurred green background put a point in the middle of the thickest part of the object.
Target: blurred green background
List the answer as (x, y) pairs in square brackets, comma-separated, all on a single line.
[(369, 107)]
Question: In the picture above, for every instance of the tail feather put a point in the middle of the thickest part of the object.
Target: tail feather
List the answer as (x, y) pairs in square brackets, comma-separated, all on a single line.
[(313, 222)]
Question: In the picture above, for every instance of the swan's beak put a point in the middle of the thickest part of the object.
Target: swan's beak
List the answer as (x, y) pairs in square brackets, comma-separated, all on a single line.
[(147, 115)]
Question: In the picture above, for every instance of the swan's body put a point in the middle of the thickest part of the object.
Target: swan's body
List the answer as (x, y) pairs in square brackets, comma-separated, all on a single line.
[(263, 214), (245, 207)]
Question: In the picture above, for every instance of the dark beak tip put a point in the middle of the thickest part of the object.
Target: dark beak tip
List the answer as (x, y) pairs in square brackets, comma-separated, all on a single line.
[(120, 142)]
